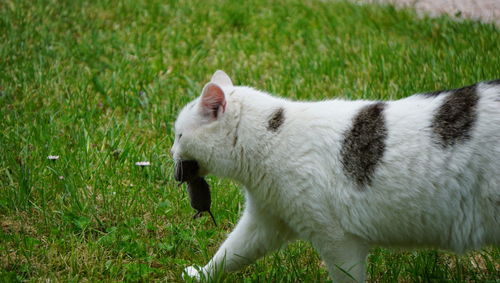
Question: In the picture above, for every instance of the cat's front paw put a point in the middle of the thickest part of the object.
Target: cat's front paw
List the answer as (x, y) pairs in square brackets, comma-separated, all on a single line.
[(192, 272)]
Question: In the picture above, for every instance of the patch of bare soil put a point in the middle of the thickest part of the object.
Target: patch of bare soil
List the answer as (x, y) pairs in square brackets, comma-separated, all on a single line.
[(487, 11)]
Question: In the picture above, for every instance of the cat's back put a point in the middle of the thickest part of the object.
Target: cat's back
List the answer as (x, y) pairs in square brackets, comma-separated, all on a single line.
[(453, 130), (423, 133)]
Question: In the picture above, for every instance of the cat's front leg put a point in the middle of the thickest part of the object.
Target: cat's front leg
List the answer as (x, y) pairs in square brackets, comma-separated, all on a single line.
[(256, 234)]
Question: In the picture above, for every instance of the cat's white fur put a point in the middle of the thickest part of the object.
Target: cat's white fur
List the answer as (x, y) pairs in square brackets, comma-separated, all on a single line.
[(422, 195)]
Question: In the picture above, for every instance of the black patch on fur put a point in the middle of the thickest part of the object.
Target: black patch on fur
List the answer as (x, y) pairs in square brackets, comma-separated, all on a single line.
[(364, 144), (456, 116), (277, 119)]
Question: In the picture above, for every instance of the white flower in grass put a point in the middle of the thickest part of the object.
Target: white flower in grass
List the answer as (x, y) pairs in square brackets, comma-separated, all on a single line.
[(53, 157), (61, 177), (143, 163)]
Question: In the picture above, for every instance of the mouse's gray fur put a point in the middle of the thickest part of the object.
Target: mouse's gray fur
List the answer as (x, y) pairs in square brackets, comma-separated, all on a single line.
[(199, 194), (197, 187)]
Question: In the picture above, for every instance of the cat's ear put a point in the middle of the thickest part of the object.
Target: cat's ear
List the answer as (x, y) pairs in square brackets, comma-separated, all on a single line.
[(221, 78), (213, 101)]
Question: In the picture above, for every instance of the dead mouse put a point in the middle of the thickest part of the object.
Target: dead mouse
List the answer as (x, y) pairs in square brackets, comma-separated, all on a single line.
[(197, 187), (199, 193), (186, 170)]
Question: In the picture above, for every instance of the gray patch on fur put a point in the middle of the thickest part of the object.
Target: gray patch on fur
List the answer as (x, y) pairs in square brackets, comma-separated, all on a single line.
[(456, 116), (493, 82), (277, 119), (364, 144), (235, 140), (434, 93), (440, 92), (237, 128)]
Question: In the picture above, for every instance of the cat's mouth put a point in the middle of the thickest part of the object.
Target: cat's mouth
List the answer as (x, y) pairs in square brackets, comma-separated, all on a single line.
[(186, 170)]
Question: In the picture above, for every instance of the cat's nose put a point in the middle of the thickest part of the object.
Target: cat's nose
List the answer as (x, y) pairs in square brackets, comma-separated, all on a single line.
[(172, 152)]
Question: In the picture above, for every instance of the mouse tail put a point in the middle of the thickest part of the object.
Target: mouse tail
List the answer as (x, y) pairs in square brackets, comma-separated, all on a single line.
[(213, 218)]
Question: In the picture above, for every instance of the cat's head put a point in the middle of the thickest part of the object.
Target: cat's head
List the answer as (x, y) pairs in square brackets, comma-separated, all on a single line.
[(202, 129)]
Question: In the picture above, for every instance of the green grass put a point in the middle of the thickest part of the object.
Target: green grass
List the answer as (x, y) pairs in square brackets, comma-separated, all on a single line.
[(99, 83)]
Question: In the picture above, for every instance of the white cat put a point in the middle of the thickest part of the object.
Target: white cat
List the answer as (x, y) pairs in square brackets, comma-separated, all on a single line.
[(423, 171)]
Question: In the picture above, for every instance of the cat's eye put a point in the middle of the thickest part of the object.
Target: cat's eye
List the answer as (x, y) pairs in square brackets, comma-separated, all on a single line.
[(180, 136)]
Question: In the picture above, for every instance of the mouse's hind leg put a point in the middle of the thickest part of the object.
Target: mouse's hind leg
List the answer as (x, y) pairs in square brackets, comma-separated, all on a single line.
[(197, 214)]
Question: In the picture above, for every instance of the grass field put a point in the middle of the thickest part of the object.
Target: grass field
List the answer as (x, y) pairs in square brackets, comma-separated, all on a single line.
[(99, 83)]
